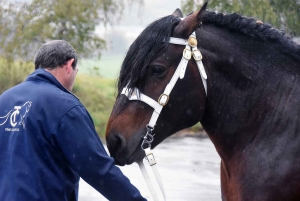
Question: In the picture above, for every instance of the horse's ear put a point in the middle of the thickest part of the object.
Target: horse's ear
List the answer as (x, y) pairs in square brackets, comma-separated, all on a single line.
[(201, 12), (178, 13), (186, 27)]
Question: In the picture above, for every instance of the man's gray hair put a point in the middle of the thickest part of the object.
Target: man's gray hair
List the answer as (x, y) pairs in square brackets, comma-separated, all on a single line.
[(54, 54)]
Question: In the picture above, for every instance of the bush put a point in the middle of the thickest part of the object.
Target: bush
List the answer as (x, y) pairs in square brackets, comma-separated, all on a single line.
[(98, 96), (13, 73)]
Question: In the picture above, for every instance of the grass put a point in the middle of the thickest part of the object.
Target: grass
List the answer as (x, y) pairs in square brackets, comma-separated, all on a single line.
[(13, 73), (98, 96), (95, 85), (108, 66), (95, 92)]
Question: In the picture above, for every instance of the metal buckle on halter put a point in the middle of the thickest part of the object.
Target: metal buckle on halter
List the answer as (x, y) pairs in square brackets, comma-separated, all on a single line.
[(150, 158), (187, 53), (192, 41), (197, 55), (163, 99)]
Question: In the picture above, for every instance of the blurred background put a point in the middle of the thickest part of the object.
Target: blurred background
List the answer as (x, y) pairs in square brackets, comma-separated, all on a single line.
[(101, 32)]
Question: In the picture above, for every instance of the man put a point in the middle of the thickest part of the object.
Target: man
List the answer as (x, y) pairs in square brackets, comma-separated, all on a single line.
[(48, 140)]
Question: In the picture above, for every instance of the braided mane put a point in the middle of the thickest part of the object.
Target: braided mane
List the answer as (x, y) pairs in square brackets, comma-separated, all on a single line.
[(153, 40), (254, 28)]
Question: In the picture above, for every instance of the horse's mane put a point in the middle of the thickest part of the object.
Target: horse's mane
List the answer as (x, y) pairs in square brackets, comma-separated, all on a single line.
[(148, 45), (154, 40), (254, 28)]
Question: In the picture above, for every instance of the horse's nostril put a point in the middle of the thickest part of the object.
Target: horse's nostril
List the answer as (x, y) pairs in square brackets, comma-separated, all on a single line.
[(119, 141), (115, 143)]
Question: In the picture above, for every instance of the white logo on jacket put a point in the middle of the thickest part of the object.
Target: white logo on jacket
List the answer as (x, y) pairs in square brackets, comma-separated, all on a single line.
[(16, 116)]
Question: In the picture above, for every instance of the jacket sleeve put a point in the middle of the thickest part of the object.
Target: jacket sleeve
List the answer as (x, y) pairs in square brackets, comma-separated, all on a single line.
[(78, 140)]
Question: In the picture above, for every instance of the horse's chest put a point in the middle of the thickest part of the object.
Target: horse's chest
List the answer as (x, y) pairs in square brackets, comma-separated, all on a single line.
[(263, 177)]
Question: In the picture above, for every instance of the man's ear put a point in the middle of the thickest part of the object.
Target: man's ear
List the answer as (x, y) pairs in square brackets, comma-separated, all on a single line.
[(69, 65)]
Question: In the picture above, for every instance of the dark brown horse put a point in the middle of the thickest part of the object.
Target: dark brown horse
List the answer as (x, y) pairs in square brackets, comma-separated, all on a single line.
[(251, 111)]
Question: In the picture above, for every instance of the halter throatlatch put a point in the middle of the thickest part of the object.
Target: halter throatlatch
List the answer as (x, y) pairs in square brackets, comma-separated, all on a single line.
[(134, 94)]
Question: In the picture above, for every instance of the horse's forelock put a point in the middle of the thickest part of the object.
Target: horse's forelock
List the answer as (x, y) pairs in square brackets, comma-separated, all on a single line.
[(148, 45)]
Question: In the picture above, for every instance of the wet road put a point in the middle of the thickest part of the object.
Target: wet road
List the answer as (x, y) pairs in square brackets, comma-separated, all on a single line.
[(189, 168)]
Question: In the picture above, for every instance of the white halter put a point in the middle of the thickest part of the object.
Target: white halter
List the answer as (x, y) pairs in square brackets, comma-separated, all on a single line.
[(190, 49)]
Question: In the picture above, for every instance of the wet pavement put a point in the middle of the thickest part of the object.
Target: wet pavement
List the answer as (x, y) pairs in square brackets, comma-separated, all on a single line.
[(189, 169)]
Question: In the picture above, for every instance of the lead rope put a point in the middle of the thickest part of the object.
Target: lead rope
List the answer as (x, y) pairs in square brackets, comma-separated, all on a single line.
[(148, 139), (132, 94), (152, 163)]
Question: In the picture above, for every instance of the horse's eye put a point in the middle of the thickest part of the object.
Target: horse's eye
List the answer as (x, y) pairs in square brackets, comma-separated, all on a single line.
[(158, 70)]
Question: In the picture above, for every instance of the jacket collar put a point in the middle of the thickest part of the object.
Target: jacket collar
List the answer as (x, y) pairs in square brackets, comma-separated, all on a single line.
[(41, 75)]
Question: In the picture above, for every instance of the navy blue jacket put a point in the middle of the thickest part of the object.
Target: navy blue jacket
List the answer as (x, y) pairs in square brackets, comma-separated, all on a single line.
[(48, 141)]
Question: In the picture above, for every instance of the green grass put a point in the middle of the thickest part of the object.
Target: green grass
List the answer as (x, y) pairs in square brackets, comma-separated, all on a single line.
[(98, 96), (13, 73), (108, 66), (95, 85), (96, 93)]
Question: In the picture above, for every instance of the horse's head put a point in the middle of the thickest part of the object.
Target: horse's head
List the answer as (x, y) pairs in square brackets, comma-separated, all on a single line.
[(27, 105), (147, 72)]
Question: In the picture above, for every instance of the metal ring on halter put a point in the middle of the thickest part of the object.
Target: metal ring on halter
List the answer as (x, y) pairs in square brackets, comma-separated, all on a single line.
[(148, 138)]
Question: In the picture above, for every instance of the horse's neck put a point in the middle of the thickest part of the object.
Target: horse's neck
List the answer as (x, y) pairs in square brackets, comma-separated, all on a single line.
[(251, 86)]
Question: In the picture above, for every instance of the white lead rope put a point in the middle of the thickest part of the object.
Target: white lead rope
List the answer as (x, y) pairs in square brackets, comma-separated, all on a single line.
[(150, 158)]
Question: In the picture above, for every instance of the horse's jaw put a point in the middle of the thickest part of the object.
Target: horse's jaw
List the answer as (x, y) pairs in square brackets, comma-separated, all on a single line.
[(137, 156), (125, 151)]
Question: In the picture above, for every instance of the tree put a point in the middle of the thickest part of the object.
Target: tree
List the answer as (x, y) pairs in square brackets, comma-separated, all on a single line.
[(281, 14), (25, 26)]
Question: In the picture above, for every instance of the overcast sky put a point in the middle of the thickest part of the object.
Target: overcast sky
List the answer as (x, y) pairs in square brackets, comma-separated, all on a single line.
[(134, 21)]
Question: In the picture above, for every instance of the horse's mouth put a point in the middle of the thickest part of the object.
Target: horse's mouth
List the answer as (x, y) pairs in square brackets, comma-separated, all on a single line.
[(136, 156)]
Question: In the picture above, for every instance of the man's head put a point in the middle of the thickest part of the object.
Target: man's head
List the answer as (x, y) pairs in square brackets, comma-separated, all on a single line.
[(55, 54), (60, 59)]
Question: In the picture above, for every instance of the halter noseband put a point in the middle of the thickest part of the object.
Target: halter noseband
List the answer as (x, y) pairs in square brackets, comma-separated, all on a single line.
[(189, 51)]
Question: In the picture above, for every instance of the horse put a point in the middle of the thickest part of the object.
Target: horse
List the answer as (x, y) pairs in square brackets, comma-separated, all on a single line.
[(248, 103)]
